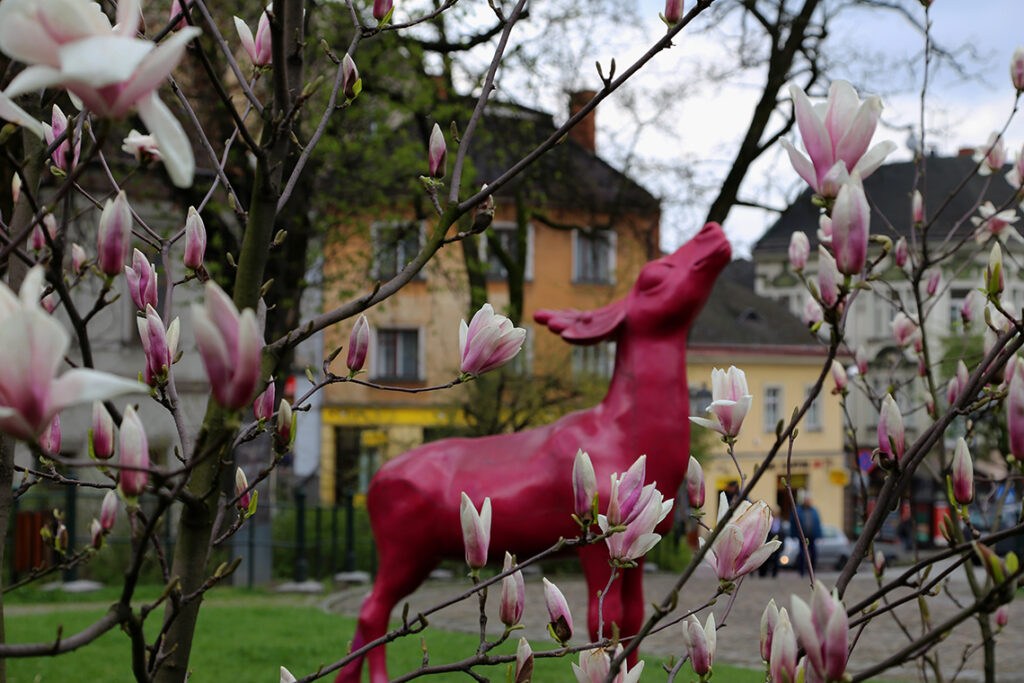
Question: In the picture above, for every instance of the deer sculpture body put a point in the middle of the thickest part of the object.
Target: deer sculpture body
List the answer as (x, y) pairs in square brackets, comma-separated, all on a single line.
[(414, 499)]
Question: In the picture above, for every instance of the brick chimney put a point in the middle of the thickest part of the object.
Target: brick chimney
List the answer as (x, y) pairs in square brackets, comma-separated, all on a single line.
[(583, 132)]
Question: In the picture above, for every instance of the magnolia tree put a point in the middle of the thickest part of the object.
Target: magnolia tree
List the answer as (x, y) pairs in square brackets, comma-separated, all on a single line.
[(110, 66)]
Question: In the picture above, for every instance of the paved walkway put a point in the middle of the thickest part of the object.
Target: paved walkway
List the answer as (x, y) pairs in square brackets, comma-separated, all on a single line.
[(738, 640)]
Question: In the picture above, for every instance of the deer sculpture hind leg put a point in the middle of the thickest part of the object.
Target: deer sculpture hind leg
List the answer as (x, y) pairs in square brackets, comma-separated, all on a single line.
[(616, 606)]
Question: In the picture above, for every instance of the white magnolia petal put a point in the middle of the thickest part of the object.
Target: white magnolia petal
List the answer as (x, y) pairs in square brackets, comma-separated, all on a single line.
[(83, 385), (102, 60), (9, 111), (245, 35), (170, 137), (874, 157), (155, 67), (801, 164), (713, 425)]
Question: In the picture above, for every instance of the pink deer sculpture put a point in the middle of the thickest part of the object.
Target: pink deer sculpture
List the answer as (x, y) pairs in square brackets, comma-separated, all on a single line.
[(414, 499)]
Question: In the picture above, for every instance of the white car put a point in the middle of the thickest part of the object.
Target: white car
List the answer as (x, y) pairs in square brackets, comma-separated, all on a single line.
[(833, 548)]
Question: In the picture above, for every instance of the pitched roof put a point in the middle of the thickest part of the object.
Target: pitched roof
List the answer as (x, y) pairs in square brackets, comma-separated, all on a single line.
[(889, 190), (735, 315)]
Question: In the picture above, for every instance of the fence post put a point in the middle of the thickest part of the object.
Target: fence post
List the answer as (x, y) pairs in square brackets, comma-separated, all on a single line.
[(301, 566), (71, 522), (350, 532), (251, 563)]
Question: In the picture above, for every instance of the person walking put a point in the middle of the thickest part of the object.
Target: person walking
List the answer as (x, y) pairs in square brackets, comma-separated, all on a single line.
[(810, 524)]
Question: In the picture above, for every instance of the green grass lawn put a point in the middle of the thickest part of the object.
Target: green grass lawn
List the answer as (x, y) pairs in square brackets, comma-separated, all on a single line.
[(248, 643)]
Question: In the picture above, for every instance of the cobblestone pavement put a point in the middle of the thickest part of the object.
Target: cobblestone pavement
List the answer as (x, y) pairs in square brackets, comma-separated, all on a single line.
[(738, 640)]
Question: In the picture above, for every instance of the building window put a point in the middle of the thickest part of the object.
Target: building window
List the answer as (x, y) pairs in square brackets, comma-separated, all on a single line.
[(812, 418), (700, 400), (397, 355), (772, 407), (593, 257), (507, 236), (957, 296), (394, 246), (597, 360)]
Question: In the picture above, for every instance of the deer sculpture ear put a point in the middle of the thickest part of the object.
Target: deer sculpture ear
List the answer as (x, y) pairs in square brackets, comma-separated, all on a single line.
[(584, 327)]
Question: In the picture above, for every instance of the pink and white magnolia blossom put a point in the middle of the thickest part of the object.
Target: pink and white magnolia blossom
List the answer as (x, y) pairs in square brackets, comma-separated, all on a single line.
[(825, 229), (995, 281), (283, 427), (584, 487), (49, 440), (934, 278), (673, 12), (595, 664), (828, 277), (488, 342), (730, 402), (991, 155), (917, 208), (823, 629), (349, 77), (258, 48), (134, 454), (901, 254), (836, 135), (241, 484), (143, 147), (1017, 69), (769, 620), (812, 312), (638, 537), (159, 343), (695, 484), (108, 510), (195, 240), (905, 330), (1015, 411), (742, 546), (860, 359), (559, 616), (524, 662), (513, 594), (15, 182), (839, 376), (782, 663), (57, 127), (799, 250), (1003, 616), (32, 348), (973, 307), (1015, 176), (114, 236), (381, 8), (142, 281), (96, 534), (263, 406), (231, 346), (700, 643), (628, 495), (891, 434), (102, 431), (71, 44), (962, 473), (476, 530), (851, 223), (437, 152), (358, 344), (78, 259), (992, 223)]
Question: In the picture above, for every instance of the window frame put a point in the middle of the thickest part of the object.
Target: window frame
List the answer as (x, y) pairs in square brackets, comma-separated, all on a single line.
[(376, 359), (493, 267), (398, 247), (814, 410), (612, 248), (769, 425)]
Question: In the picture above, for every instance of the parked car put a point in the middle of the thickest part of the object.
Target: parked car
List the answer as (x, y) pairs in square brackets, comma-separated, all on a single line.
[(983, 520), (833, 548)]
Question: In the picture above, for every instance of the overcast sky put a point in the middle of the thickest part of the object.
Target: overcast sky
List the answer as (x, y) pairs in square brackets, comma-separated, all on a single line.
[(867, 48)]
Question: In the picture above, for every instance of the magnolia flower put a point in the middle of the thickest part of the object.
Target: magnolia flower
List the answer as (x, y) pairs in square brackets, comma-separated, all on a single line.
[(860, 359), (513, 594), (879, 563), (15, 178), (769, 619), (839, 376), (730, 402), (1015, 411), (962, 473), (836, 138), (1015, 176), (49, 440), (627, 490), (782, 658), (1002, 616), (263, 406), (812, 312), (828, 277), (902, 252), (283, 428), (825, 230), (851, 220), (524, 662), (890, 429), (673, 12), (695, 484), (972, 307), (916, 209), (358, 343), (195, 240), (114, 236), (584, 487), (349, 78), (78, 258), (1017, 69), (134, 454), (241, 486), (799, 249), (102, 431), (96, 533), (70, 43), (58, 126), (822, 629), (933, 280), (638, 537), (742, 546), (476, 531), (231, 345), (992, 223), (258, 49), (436, 153), (160, 345), (143, 147), (560, 624), (32, 348), (905, 330), (488, 342), (700, 643), (108, 510), (991, 155), (142, 281), (381, 8), (595, 664)]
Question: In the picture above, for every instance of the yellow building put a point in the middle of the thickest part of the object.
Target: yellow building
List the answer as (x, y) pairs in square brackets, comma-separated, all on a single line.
[(782, 363), (584, 241)]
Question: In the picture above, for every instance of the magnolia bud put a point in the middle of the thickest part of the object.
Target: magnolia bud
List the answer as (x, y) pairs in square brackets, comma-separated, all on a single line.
[(78, 258), (96, 533), (283, 429), (673, 11), (902, 252), (263, 406), (962, 473), (695, 484), (916, 209), (381, 8), (1003, 613), (134, 453), (476, 531), (799, 250), (108, 511), (437, 153), (513, 594), (879, 563), (241, 484), (358, 343), (349, 77), (195, 239), (114, 235), (560, 624), (1017, 69)]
